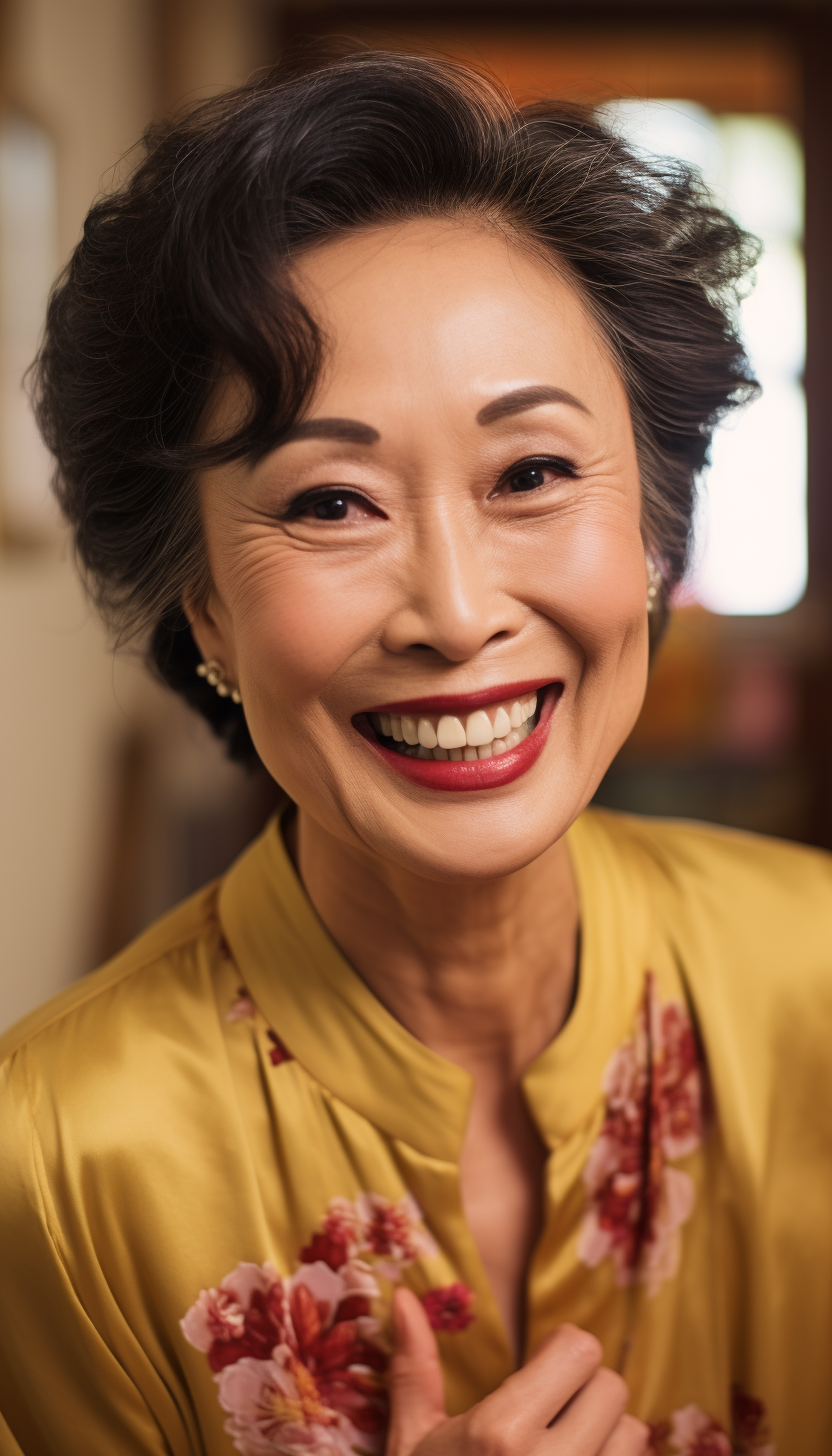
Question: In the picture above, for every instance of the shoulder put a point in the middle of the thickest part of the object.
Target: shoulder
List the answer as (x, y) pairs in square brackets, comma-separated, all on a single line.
[(745, 883), (747, 921), (162, 950), (105, 1039)]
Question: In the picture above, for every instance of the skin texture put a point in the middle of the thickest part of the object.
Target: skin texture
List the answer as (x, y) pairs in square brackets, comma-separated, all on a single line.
[(458, 909)]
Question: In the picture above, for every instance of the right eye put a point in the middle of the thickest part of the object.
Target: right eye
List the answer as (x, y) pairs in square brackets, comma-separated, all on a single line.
[(331, 506)]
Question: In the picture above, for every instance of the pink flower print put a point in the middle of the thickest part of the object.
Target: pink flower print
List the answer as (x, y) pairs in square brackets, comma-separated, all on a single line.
[(299, 1361), (216, 1316), (296, 1365), (275, 1406), (693, 1433), (636, 1204), (278, 1052), (243, 1009), (390, 1232), (393, 1231), (245, 1316), (449, 1308)]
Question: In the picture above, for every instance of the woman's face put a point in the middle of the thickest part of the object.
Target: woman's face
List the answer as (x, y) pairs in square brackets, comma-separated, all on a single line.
[(451, 533)]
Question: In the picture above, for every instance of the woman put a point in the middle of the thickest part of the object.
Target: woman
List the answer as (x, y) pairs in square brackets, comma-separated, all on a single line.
[(378, 407)]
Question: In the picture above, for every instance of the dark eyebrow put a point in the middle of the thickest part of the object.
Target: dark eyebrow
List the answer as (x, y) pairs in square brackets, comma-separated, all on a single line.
[(353, 431), (525, 399)]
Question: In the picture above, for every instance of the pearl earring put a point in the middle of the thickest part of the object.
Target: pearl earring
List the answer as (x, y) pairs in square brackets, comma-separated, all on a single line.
[(214, 675), (654, 581)]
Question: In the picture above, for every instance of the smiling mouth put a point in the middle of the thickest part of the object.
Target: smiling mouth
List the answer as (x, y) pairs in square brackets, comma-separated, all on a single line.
[(487, 732)]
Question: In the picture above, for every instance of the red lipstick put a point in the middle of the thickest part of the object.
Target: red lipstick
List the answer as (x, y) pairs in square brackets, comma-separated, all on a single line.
[(464, 702), (484, 773)]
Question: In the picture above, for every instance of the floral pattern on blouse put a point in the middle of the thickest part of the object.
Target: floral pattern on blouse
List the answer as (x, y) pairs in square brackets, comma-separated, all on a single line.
[(449, 1308), (278, 1051), (244, 1009), (635, 1202), (300, 1362), (692, 1432)]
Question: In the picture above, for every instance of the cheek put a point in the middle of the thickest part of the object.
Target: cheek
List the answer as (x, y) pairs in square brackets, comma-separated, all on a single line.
[(296, 623), (591, 581)]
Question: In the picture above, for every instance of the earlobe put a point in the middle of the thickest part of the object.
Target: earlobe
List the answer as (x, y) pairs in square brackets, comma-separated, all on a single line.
[(218, 667)]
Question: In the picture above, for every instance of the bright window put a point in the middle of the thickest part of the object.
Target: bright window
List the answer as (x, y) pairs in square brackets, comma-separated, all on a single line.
[(750, 536)]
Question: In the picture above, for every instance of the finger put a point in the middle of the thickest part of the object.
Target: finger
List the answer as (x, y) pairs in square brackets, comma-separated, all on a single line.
[(590, 1418), (527, 1402), (417, 1393), (630, 1438)]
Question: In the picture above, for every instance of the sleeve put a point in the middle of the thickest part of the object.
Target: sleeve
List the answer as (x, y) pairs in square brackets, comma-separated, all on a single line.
[(63, 1391)]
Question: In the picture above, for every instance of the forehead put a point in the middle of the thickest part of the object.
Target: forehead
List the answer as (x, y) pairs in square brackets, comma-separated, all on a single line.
[(452, 310)]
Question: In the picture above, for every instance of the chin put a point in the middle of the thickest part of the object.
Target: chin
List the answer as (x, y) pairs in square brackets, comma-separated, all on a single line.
[(467, 838)]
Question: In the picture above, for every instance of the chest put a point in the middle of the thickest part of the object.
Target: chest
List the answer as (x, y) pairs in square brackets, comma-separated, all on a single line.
[(502, 1193)]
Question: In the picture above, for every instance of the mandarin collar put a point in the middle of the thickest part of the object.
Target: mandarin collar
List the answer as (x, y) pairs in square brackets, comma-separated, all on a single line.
[(351, 1044), (563, 1086)]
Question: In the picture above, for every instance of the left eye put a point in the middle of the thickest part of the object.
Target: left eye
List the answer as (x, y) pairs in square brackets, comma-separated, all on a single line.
[(527, 479), (532, 474)]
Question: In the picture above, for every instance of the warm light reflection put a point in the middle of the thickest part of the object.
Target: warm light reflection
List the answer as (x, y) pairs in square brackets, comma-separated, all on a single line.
[(750, 551)]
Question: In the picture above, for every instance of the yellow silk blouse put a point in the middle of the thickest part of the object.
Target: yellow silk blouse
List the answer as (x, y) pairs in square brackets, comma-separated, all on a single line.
[(220, 1153)]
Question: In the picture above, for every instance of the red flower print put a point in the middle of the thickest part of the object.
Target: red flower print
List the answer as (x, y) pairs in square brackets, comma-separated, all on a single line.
[(371, 1225), (296, 1366), (689, 1432), (299, 1362), (393, 1231), (636, 1204), (340, 1237), (278, 1052), (749, 1419), (449, 1308), (692, 1432), (659, 1432), (330, 1249)]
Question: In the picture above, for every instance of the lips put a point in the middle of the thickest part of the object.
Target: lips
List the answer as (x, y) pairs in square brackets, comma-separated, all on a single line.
[(466, 776), (464, 702)]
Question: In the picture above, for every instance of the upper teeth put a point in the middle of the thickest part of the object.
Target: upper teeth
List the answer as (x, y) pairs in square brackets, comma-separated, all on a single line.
[(486, 731)]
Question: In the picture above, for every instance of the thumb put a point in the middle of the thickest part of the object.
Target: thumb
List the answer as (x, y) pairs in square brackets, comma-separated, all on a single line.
[(417, 1394)]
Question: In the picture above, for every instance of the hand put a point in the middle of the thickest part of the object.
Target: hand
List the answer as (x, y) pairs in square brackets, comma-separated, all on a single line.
[(562, 1403)]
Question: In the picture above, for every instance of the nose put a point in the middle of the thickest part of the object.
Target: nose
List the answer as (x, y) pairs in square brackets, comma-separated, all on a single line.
[(453, 598)]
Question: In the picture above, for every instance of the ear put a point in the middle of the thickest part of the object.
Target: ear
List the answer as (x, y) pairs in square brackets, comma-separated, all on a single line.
[(211, 628)]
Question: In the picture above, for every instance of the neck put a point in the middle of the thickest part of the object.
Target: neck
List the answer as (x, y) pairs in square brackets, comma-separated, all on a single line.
[(483, 973)]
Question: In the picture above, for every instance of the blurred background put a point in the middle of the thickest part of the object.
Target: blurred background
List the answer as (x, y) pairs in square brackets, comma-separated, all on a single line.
[(115, 802)]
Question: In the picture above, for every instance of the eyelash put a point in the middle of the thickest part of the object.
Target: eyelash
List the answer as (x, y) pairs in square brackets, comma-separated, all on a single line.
[(310, 499), (538, 462)]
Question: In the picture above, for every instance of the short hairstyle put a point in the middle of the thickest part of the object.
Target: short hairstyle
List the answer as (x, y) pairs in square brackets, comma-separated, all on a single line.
[(178, 279)]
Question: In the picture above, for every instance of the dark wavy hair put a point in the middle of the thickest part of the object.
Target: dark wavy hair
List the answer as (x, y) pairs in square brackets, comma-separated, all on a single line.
[(178, 280)]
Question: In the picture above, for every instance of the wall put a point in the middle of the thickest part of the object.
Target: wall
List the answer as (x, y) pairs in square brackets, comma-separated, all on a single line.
[(92, 73)]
